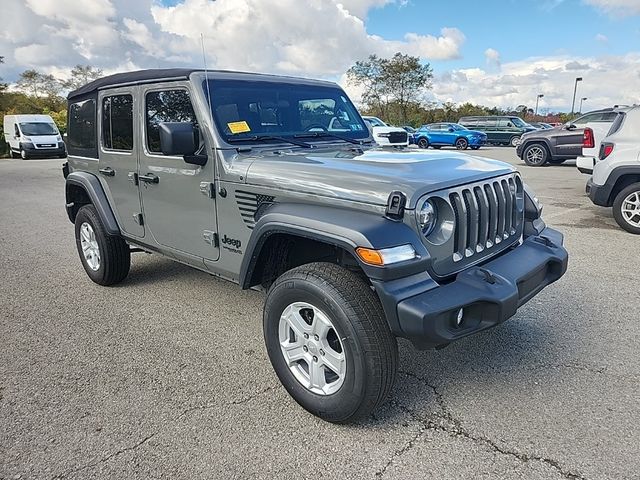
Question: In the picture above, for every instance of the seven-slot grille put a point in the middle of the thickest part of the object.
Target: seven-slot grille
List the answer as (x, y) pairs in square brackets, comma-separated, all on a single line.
[(397, 137), (486, 214), (248, 203)]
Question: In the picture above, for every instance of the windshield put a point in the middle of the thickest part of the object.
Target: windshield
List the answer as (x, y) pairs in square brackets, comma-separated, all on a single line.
[(265, 110), (38, 128), (375, 122), (519, 123)]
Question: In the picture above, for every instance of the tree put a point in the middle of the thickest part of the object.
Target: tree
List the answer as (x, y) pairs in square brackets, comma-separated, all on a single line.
[(81, 75), (392, 86)]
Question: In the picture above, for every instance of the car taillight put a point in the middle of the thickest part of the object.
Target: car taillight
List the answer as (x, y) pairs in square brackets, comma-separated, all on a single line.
[(605, 150), (587, 138)]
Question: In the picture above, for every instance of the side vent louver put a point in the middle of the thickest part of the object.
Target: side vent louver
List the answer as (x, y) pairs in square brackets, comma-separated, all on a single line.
[(249, 203)]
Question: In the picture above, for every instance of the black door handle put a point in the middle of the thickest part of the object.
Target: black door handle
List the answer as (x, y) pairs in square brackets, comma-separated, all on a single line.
[(107, 171), (149, 178)]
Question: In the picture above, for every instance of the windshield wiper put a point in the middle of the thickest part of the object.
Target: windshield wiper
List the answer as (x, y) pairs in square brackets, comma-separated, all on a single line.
[(329, 134), (264, 138)]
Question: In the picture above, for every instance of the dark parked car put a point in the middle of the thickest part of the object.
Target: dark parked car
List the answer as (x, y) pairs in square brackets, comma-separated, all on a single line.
[(504, 130), (540, 125), (411, 132), (552, 146)]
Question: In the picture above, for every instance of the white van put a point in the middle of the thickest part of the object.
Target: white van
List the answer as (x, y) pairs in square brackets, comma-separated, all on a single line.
[(31, 136)]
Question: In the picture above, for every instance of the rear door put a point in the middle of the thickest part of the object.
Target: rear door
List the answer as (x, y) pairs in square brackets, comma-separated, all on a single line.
[(448, 137), (178, 208), (490, 127), (118, 157), (435, 134)]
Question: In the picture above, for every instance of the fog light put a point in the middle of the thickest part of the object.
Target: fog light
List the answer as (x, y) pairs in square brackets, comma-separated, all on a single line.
[(459, 317)]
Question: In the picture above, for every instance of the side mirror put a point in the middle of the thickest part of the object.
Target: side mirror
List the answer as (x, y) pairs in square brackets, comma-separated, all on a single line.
[(180, 139), (450, 130), (571, 126)]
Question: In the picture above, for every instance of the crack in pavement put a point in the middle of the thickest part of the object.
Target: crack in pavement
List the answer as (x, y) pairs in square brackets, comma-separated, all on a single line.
[(149, 437), (105, 459), (452, 426)]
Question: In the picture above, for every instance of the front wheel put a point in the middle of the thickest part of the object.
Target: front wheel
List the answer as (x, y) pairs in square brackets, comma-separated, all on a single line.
[(423, 143), (535, 155), (462, 143), (23, 155), (626, 208), (329, 342)]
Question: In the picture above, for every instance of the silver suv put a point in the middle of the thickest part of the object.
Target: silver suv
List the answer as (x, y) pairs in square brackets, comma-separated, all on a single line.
[(274, 183)]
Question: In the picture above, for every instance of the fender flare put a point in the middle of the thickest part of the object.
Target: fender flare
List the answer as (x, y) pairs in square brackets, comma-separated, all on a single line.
[(616, 182), (343, 228), (91, 185)]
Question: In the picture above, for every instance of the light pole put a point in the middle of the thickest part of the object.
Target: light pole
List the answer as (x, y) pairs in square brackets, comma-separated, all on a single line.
[(575, 89), (581, 100), (535, 115)]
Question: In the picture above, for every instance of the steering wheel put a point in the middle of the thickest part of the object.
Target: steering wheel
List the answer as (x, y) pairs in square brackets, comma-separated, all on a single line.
[(316, 125)]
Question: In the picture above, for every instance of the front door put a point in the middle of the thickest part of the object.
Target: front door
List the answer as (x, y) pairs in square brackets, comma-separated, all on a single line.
[(178, 209), (118, 164), (569, 143)]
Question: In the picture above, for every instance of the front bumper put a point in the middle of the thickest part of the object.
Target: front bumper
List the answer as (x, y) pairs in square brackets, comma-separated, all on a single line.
[(32, 151), (477, 142), (519, 150), (488, 294)]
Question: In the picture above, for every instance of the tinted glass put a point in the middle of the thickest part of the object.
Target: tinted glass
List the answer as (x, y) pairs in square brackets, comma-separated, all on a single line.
[(617, 123), (609, 116), (504, 123), (117, 122), (518, 122), (81, 133), (592, 117), (38, 128), (166, 106), (244, 109)]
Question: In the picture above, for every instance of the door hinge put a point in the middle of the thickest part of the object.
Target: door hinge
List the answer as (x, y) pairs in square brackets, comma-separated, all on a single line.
[(137, 217), (206, 188), (211, 238), (133, 177)]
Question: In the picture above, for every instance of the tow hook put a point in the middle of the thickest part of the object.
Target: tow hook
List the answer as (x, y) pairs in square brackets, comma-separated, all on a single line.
[(488, 276), (545, 241)]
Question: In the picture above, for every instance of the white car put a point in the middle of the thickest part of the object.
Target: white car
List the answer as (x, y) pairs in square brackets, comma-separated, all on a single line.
[(387, 136), (616, 175), (31, 136), (596, 125)]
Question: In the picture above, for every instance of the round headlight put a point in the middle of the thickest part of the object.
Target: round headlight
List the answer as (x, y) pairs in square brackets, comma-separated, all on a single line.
[(427, 217)]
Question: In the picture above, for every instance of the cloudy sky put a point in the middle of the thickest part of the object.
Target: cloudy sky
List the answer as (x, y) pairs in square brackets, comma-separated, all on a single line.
[(492, 52)]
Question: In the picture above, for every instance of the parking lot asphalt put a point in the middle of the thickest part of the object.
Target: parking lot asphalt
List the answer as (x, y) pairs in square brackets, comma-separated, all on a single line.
[(166, 374)]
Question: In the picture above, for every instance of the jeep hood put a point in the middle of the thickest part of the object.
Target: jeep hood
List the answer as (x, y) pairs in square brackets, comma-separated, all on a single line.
[(371, 175)]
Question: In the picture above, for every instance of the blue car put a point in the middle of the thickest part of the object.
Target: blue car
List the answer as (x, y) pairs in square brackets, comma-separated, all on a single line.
[(439, 135)]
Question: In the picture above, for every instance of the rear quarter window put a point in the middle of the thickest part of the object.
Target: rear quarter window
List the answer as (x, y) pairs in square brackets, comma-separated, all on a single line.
[(81, 129), (617, 123)]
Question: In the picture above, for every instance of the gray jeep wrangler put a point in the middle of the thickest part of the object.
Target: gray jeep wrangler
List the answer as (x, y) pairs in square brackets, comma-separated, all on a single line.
[(274, 183)]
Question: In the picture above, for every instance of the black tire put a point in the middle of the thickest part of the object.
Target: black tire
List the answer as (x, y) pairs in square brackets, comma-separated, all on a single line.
[(24, 155), (535, 154), (12, 154), (437, 147), (475, 148), (618, 204), (462, 143), (370, 349), (555, 161), (514, 141), (423, 142), (115, 256)]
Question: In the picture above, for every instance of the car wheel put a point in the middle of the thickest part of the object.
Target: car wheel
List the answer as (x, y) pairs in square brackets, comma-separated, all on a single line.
[(23, 155), (555, 162), (535, 155), (626, 208), (423, 143), (437, 147), (475, 148), (515, 141), (462, 143), (329, 342), (106, 258), (12, 154)]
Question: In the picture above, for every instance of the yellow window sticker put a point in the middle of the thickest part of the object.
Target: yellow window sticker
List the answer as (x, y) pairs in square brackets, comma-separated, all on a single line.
[(238, 127)]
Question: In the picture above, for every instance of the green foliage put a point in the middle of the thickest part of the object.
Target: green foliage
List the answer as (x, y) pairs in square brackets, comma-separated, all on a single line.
[(81, 75)]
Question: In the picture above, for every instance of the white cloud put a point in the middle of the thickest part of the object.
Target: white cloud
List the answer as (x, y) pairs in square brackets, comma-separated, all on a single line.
[(619, 8), (607, 81), (320, 38), (601, 38), (492, 56)]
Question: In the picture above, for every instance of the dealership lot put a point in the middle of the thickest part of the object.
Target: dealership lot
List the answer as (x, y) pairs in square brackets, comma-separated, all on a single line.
[(166, 375)]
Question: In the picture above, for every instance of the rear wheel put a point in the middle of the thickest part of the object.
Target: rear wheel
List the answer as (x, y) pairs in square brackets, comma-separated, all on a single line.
[(106, 258), (535, 155), (475, 148), (555, 161), (626, 208), (515, 141), (462, 143), (423, 143), (437, 147), (329, 342)]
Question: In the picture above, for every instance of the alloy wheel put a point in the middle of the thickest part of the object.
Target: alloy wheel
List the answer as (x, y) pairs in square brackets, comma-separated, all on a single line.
[(535, 155), (312, 348), (90, 248), (631, 209)]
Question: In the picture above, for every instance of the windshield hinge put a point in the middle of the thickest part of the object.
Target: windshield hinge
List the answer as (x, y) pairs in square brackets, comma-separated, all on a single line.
[(395, 205), (206, 188)]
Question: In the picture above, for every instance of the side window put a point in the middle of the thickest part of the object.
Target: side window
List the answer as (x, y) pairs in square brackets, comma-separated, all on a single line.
[(81, 134), (17, 131), (504, 123), (490, 123), (592, 117), (166, 106), (609, 116), (117, 122)]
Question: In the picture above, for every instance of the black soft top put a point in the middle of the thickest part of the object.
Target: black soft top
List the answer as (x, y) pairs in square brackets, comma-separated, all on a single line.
[(151, 75)]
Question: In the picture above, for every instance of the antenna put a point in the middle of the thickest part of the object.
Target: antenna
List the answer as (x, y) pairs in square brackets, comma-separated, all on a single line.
[(206, 75)]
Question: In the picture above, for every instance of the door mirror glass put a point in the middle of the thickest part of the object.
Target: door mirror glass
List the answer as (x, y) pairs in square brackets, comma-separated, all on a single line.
[(571, 126), (177, 138)]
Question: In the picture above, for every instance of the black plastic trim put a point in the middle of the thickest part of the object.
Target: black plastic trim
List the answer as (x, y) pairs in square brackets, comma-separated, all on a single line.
[(90, 184), (602, 194)]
